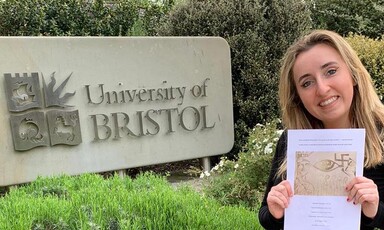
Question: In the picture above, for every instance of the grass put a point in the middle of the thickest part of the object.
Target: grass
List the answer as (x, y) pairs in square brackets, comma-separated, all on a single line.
[(90, 201)]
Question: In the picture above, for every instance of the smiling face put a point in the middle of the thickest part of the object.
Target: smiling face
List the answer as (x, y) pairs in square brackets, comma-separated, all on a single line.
[(324, 85)]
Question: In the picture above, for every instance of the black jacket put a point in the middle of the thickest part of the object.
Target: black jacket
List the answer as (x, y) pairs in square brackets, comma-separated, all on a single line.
[(269, 222)]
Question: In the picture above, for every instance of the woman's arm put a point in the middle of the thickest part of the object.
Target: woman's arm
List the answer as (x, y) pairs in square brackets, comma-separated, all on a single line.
[(376, 174)]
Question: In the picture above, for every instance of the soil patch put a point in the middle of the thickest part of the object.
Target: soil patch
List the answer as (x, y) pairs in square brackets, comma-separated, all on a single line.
[(177, 169)]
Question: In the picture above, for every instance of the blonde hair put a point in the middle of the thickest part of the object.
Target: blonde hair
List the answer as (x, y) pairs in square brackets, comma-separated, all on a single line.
[(367, 111)]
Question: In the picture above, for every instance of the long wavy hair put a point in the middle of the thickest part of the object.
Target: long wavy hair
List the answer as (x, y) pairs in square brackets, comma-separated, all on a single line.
[(367, 111)]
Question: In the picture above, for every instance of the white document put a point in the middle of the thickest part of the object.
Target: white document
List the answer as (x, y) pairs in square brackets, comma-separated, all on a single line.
[(320, 164)]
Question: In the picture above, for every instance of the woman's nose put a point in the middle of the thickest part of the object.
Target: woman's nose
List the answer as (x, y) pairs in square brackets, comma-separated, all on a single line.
[(322, 86)]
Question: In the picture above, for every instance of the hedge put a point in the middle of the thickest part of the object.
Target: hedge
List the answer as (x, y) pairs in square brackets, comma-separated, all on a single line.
[(258, 33), (371, 53)]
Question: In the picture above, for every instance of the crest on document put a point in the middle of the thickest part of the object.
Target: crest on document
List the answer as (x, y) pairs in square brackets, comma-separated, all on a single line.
[(33, 120)]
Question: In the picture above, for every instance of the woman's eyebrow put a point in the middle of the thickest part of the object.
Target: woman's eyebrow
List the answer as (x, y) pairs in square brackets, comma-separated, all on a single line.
[(302, 77), (328, 64)]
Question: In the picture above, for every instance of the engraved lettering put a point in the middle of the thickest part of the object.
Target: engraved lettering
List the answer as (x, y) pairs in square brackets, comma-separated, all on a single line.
[(141, 92), (152, 121), (101, 94), (107, 130), (113, 93), (169, 116), (204, 115), (196, 114), (123, 127)]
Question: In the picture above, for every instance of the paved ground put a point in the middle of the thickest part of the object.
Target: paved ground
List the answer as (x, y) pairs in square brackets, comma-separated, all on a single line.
[(178, 173), (195, 183)]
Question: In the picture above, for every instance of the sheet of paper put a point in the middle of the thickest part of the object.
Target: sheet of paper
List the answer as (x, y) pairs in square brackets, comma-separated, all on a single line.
[(320, 162)]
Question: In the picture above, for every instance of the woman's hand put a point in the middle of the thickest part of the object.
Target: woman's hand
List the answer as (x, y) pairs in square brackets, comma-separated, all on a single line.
[(278, 199), (362, 190)]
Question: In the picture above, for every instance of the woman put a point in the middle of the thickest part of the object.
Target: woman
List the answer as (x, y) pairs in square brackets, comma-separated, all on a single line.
[(324, 85)]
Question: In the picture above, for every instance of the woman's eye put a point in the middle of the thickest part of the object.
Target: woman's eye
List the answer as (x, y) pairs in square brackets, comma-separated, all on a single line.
[(306, 84), (331, 72)]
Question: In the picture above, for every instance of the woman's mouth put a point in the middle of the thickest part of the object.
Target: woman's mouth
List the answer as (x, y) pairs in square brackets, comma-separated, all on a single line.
[(328, 101)]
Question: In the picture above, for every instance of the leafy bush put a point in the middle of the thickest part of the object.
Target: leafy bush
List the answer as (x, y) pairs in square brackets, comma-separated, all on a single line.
[(364, 17), (92, 202), (243, 181), (258, 33), (81, 18), (370, 51)]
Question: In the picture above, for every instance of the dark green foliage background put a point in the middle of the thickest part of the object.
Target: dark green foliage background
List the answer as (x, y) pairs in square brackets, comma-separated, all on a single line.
[(81, 17), (258, 33), (371, 53), (365, 17)]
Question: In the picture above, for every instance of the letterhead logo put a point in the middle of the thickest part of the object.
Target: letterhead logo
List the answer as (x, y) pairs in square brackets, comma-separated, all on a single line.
[(31, 125)]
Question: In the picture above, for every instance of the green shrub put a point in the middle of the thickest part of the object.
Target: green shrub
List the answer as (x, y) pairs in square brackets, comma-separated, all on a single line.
[(370, 51), (243, 181), (258, 33), (81, 18), (364, 17), (92, 202)]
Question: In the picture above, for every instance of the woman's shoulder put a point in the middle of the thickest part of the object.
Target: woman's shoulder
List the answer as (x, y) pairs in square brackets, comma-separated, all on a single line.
[(281, 147), (282, 142)]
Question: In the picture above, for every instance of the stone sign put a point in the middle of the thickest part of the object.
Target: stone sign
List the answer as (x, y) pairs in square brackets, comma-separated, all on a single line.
[(71, 105)]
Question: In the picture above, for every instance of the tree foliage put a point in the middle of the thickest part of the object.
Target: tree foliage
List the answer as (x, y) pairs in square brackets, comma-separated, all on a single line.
[(258, 32), (81, 17), (370, 52), (365, 17)]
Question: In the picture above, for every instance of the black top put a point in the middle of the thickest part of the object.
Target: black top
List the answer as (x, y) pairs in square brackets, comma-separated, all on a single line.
[(269, 222)]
